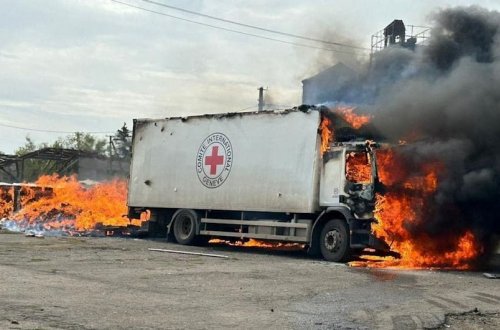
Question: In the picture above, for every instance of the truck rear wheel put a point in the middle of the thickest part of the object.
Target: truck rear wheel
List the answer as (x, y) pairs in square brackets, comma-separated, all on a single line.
[(334, 241), (185, 226)]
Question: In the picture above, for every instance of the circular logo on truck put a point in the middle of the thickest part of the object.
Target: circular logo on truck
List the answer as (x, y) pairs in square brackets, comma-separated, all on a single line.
[(214, 160)]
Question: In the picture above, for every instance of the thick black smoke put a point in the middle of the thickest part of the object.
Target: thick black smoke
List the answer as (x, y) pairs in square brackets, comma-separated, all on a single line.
[(446, 97)]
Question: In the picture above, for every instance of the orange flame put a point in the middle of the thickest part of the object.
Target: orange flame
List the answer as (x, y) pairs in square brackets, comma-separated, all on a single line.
[(355, 120), (401, 208), (257, 243), (326, 134), (67, 204), (6, 201), (358, 167)]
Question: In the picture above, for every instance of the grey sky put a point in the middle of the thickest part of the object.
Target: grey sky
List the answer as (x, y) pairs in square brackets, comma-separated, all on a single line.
[(90, 65)]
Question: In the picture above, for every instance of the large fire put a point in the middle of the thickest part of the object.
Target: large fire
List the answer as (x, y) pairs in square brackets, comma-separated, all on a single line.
[(401, 209), (63, 203)]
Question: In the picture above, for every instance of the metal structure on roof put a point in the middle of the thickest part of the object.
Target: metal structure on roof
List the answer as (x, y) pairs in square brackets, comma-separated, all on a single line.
[(397, 33), (57, 160)]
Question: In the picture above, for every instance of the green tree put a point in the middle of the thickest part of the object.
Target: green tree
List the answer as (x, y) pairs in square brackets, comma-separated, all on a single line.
[(123, 142), (83, 142)]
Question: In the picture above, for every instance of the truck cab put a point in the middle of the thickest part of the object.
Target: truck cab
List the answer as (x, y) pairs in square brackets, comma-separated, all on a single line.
[(348, 183)]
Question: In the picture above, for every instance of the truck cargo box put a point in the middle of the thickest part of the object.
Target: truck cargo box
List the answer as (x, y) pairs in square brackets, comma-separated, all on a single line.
[(255, 161)]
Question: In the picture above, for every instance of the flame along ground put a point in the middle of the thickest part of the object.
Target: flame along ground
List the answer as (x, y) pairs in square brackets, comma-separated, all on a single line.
[(63, 203), (408, 192), (259, 244)]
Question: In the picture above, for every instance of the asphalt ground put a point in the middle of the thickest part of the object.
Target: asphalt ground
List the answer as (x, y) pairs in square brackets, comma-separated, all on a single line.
[(116, 283)]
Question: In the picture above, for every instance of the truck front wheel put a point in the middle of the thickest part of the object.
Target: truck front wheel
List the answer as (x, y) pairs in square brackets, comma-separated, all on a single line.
[(334, 241), (185, 226)]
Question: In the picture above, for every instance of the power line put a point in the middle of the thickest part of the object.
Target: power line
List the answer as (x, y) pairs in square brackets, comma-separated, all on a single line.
[(235, 31), (51, 131), (85, 132), (254, 26)]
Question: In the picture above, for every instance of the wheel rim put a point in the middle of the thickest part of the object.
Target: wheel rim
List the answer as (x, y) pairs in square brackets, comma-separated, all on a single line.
[(185, 227), (333, 240)]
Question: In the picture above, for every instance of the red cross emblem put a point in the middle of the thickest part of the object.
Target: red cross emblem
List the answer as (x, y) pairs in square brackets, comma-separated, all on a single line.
[(213, 160)]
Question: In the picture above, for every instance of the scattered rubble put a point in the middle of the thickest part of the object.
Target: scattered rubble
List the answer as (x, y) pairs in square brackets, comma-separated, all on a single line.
[(40, 230), (473, 320)]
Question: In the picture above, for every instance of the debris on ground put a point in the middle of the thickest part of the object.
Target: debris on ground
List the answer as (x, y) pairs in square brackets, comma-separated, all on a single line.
[(189, 253), (474, 320)]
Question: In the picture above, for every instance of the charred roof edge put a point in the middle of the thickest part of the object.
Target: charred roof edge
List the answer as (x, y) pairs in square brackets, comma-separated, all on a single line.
[(302, 108)]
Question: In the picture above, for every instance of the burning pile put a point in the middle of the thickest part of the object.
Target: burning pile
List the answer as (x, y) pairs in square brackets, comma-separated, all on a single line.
[(63, 204), (6, 201)]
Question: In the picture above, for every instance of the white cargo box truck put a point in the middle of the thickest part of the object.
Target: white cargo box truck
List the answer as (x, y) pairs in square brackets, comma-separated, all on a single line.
[(252, 175)]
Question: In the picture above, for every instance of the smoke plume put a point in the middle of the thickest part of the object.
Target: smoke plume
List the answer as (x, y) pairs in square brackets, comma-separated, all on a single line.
[(444, 98)]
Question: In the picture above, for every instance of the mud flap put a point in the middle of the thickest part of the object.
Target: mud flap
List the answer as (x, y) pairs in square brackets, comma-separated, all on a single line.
[(359, 233)]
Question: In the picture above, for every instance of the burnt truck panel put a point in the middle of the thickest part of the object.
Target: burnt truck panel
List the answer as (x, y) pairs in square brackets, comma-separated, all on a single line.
[(332, 178), (267, 161)]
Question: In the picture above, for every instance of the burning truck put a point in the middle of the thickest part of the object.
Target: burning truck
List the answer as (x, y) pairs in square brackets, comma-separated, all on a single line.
[(273, 175), (294, 176)]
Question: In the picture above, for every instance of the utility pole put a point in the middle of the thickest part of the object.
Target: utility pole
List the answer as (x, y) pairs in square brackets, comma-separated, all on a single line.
[(110, 146), (261, 98), (110, 155)]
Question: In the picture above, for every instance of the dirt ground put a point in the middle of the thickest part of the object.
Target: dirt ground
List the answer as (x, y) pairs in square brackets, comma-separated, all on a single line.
[(113, 283), (472, 320)]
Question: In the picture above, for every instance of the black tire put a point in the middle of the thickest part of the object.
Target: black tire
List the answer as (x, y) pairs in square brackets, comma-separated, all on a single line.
[(334, 241), (185, 222)]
